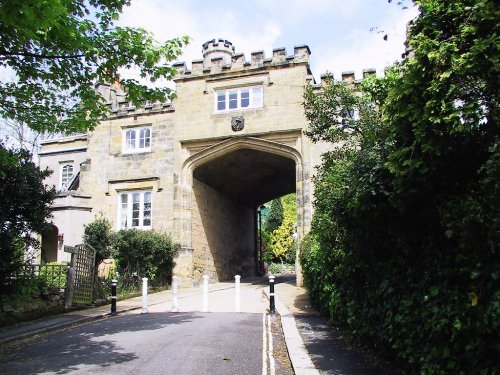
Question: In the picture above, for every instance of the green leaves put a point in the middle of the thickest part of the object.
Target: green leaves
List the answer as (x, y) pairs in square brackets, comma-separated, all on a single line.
[(24, 208), (149, 254), (407, 208), (59, 50)]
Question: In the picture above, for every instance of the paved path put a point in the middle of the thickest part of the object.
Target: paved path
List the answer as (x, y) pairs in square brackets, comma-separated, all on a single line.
[(313, 346), (221, 299), (186, 342), (330, 352), (154, 343)]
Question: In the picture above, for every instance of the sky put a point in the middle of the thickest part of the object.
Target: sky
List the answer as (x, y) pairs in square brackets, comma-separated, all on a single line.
[(343, 35)]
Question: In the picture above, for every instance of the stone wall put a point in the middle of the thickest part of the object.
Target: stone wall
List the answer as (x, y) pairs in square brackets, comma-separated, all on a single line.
[(222, 235), (110, 171), (32, 307)]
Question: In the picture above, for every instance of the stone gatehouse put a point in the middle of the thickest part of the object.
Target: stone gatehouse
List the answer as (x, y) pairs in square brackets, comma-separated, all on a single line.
[(197, 168)]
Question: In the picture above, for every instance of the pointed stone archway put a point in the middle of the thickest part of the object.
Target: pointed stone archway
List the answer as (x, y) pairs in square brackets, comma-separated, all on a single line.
[(222, 186)]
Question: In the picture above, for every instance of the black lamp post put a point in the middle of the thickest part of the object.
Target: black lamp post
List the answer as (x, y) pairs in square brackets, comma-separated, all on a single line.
[(261, 259)]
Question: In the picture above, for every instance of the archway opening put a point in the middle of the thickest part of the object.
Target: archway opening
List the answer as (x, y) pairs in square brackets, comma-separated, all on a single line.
[(49, 245), (227, 191)]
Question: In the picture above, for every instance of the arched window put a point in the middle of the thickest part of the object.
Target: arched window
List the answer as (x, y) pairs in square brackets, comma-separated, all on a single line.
[(130, 139), (66, 175), (144, 138), (136, 140)]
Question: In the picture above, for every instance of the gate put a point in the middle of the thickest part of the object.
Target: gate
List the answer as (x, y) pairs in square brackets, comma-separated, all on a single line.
[(83, 264)]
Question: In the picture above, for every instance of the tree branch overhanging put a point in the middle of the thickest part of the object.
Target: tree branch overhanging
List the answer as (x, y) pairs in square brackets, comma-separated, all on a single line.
[(40, 56)]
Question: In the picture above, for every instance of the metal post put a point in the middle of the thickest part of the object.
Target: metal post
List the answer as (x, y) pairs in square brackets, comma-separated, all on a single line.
[(175, 287), (114, 282), (272, 308), (261, 261), (144, 295), (205, 293), (237, 295)]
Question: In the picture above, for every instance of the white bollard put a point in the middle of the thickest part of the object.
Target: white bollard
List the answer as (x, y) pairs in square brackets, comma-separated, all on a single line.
[(175, 287), (237, 295), (205, 293), (144, 295)]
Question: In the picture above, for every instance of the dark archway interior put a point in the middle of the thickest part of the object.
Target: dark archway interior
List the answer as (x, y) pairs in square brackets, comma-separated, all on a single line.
[(49, 245), (249, 176)]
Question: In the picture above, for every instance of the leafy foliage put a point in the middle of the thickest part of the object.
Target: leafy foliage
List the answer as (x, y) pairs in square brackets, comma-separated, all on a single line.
[(98, 235), (24, 209), (146, 253), (275, 216), (282, 239), (403, 250), (278, 230), (54, 276), (59, 50)]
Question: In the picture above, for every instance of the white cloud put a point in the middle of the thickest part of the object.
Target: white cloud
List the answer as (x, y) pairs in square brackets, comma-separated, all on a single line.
[(337, 33), (168, 19), (363, 49)]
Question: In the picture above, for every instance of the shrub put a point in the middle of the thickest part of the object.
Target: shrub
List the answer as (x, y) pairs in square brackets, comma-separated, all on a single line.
[(405, 233), (145, 253), (98, 235), (54, 276)]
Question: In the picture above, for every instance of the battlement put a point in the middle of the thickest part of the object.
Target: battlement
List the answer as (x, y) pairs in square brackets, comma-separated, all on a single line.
[(217, 52), (219, 57), (119, 106), (348, 77)]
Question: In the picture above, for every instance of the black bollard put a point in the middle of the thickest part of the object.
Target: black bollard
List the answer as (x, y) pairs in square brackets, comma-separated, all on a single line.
[(113, 296), (272, 308)]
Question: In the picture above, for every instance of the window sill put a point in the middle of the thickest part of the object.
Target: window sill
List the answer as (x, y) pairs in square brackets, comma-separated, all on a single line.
[(238, 110), (138, 228), (128, 153)]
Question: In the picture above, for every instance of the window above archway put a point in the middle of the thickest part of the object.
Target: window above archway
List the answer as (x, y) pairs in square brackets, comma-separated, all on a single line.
[(238, 98)]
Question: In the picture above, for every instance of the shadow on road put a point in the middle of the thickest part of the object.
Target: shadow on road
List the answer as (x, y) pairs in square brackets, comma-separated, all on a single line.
[(72, 349)]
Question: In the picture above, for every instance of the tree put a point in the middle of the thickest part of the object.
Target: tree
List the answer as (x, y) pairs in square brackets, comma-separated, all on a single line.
[(274, 217), (24, 208), (407, 209), (98, 234), (282, 239), (59, 50), (280, 243)]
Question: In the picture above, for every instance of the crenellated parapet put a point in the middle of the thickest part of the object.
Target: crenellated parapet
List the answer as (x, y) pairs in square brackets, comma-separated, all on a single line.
[(348, 77), (119, 106), (219, 57)]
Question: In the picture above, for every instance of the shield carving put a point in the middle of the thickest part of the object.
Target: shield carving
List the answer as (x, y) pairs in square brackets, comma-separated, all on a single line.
[(237, 123)]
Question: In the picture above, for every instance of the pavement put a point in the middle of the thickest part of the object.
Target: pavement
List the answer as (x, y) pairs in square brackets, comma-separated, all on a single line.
[(314, 347)]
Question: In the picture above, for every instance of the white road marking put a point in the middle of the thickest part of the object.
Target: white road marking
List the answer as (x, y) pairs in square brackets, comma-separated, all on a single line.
[(270, 336), (264, 342)]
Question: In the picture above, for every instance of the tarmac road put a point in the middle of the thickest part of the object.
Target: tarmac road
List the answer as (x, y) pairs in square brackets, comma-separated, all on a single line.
[(154, 343)]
